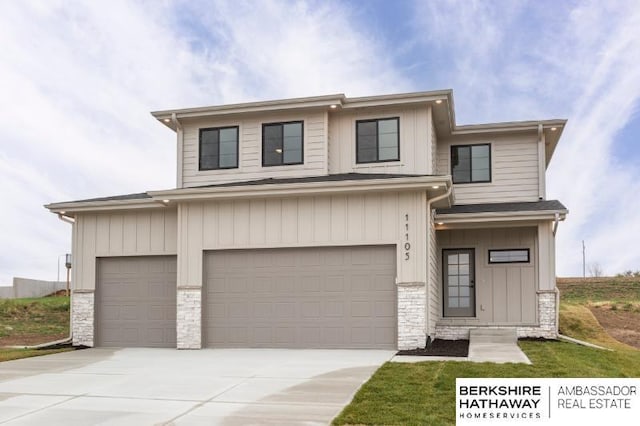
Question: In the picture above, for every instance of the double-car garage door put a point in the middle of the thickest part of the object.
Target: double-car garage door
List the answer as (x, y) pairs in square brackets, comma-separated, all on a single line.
[(329, 297)]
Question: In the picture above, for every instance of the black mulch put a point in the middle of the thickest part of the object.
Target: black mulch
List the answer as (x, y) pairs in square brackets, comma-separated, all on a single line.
[(439, 347)]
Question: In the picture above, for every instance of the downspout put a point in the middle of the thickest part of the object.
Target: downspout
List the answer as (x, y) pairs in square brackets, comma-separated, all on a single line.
[(556, 221), (431, 215), (69, 339)]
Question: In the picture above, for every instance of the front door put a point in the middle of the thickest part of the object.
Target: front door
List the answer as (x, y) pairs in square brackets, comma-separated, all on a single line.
[(459, 283)]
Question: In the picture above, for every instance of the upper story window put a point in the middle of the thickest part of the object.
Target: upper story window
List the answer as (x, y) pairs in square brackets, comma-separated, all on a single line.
[(377, 140), (282, 143), (219, 148), (471, 163)]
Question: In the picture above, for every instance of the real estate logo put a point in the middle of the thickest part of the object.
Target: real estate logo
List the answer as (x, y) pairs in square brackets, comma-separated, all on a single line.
[(546, 401)]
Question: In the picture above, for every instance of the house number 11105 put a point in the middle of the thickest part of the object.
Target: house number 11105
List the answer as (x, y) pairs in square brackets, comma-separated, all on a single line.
[(407, 244)]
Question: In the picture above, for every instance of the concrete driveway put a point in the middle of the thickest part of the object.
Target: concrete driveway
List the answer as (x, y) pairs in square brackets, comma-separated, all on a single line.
[(167, 386)]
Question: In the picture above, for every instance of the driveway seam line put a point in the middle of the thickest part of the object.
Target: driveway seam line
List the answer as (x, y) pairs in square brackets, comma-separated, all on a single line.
[(39, 409)]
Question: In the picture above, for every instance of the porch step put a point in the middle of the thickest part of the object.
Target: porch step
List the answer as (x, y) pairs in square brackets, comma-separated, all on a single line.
[(493, 335)]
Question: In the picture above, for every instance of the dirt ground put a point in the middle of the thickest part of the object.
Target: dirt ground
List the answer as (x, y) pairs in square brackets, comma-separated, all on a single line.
[(622, 325), (439, 347), (29, 340)]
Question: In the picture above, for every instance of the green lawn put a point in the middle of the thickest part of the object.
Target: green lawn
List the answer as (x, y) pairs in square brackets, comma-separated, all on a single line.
[(607, 290), (26, 322), (33, 321), (424, 393), (7, 354)]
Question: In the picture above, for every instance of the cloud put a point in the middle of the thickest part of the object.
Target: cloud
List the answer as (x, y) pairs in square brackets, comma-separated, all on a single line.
[(529, 61), (79, 79)]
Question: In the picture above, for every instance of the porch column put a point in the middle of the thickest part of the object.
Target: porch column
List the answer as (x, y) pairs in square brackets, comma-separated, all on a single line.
[(412, 297)]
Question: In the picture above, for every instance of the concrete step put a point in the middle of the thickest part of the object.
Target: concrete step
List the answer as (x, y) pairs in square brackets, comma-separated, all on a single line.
[(493, 335)]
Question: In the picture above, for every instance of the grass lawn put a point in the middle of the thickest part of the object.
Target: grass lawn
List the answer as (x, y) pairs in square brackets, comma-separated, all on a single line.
[(33, 321), (7, 354), (424, 393)]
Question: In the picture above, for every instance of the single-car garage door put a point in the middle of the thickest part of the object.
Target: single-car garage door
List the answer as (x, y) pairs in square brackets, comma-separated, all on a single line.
[(330, 297), (136, 301)]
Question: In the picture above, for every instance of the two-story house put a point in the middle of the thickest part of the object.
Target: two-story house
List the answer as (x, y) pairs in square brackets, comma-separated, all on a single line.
[(324, 222)]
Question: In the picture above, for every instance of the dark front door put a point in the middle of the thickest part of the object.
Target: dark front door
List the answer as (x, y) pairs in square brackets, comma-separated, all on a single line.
[(459, 283)]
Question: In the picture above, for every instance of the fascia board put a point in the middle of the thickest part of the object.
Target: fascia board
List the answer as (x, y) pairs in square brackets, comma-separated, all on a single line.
[(499, 216), (293, 189), (310, 102), (91, 206)]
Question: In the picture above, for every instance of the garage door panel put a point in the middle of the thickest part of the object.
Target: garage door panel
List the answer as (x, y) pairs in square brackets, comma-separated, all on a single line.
[(136, 301), (333, 297)]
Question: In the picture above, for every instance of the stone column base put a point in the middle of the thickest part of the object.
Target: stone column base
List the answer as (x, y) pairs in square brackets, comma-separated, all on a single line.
[(82, 317), (412, 299), (189, 318)]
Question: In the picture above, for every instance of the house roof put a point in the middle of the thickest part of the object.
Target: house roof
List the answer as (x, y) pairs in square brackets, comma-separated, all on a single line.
[(136, 196), (500, 214), (334, 183), (339, 177), (441, 101), (534, 206)]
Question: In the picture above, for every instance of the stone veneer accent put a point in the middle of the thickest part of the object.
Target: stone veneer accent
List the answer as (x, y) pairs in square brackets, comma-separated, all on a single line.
[(547, 322), (189, 318), (82, 317), (412, 298)]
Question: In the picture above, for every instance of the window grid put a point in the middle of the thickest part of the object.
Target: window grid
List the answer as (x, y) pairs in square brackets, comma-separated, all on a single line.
[(468, 174), (282, 143), (221, 150), (384, 153)]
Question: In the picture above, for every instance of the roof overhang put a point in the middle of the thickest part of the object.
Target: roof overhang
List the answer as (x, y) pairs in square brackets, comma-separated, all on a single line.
[(433, 185), (470, 220), (332, 103), (70, 207), (307, 188)]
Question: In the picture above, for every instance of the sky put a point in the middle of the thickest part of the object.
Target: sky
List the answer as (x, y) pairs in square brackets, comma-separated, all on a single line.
[(78, 79)]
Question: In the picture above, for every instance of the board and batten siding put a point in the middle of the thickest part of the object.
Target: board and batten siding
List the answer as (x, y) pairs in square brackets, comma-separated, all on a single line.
[(312, 221), (250, 148), (433, 293), (415, 132), (505, 293), (132, 233), (514, 169)]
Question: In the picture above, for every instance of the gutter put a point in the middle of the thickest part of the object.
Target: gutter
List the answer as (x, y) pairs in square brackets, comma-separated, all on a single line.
[(312, 188), (64, 218)]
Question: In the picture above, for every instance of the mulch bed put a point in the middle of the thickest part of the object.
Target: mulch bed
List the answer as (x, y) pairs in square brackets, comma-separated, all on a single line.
[(439, 347)]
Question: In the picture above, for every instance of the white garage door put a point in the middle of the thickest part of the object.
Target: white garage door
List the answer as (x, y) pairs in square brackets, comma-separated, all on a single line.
[(330, 297)]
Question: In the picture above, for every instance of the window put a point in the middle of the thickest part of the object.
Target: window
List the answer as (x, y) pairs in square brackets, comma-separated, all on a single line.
[(219, 148), (509, 256), (377, 140), (471, 163), (282, 143)]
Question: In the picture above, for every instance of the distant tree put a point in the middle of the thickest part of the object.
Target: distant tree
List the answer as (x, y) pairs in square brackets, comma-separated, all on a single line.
[(629, 273), (595, 270)]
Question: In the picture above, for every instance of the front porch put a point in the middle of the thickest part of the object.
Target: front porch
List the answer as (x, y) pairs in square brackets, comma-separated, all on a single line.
[(496, 270)]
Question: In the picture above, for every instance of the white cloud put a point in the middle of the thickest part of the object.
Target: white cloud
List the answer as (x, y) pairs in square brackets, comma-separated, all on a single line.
[(79, 79)]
